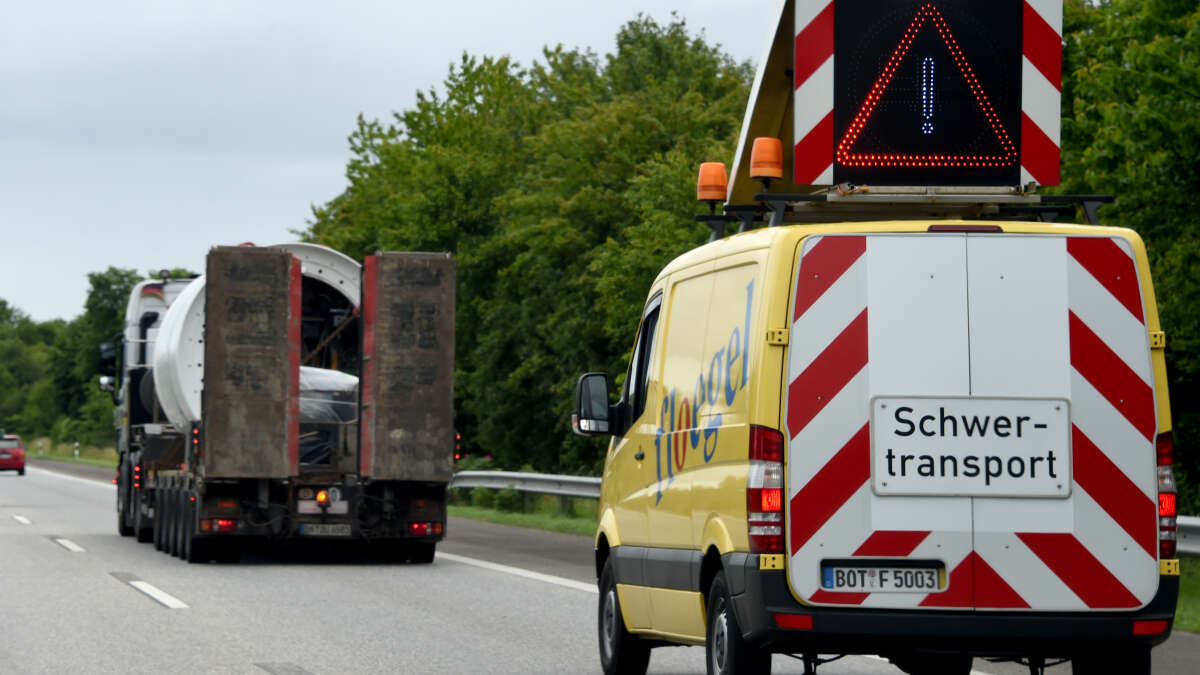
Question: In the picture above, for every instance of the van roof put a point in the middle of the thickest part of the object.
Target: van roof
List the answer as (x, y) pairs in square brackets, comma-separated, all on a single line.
[(767, 237)]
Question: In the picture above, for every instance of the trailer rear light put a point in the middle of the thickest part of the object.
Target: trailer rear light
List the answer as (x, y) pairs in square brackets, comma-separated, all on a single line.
[(794, 621), (420, 529), (323, 498), (226, 504), (764, 491), (1152, 627), (218, 525)]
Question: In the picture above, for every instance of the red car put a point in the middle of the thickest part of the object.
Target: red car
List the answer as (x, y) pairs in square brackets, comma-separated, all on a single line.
[(12, 454)]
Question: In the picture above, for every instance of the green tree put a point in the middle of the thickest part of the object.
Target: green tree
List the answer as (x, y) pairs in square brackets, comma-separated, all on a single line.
[(561, 188), (1131, 128)]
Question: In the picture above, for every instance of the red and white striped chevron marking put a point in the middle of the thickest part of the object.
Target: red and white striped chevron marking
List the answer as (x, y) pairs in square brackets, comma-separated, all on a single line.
[(813, 98), (1106, 558), (1041, 92)]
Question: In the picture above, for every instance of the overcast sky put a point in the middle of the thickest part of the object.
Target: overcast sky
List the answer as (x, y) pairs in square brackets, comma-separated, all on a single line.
[(139, 134)]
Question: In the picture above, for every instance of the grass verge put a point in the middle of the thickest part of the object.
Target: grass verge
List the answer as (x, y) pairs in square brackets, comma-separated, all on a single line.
[(43, 448), (538, 520), (1187, 616)]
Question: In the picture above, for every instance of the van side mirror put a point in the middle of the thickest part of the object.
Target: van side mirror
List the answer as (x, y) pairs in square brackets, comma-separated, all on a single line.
[(591, 415), (106, 383), (108, 359)]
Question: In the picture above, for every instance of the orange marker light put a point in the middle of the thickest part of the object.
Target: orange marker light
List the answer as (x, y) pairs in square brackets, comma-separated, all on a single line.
[(766, 159), (713, 182), (323, 498)]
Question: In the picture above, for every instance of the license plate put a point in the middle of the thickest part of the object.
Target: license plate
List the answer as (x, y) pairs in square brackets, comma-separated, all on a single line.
[(970, 447), (325, 529), (880, 579), (5, 455)]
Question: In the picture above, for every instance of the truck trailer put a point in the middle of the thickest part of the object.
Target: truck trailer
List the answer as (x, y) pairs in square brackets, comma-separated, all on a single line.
[(288, 393)]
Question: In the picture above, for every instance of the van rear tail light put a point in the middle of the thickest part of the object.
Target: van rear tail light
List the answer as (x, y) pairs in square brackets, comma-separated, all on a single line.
[(1167, 514), (1165, 448), (764, 491), (425, 529), (766, 444)]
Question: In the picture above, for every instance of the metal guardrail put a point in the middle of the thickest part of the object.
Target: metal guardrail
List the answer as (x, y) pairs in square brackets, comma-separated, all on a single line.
[(541, 483), (1189, 535), (586, 486)]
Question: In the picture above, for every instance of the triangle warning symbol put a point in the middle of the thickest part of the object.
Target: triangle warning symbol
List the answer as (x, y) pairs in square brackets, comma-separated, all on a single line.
[(929, 111)]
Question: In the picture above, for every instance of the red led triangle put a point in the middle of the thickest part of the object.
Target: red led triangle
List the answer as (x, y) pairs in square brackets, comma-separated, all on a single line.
[(1007, 157)]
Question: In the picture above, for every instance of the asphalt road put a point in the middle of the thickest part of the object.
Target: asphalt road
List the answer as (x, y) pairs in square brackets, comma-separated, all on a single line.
[(78, 598)]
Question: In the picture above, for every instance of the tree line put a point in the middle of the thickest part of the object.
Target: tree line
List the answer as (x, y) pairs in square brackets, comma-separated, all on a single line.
[(563, 186)]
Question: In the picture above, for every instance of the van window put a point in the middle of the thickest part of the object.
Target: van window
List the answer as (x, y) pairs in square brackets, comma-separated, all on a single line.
[(639, 366)]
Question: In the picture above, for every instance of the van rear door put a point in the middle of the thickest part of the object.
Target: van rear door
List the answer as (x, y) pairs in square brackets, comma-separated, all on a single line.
[(971, 421)]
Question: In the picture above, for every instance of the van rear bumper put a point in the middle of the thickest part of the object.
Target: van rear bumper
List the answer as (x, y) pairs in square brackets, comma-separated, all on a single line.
[(758, 595)]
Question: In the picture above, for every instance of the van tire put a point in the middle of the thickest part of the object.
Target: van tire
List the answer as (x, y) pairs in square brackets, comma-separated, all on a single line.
[(1127, 660), (621, 652), (725, 650), (934, 664)]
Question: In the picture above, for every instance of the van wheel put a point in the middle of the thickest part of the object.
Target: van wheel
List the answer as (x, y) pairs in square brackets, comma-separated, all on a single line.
[(620, 651), (725, 649), (934, 664), (1127, 660)]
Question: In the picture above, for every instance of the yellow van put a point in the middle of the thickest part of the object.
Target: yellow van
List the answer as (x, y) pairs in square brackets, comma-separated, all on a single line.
[(929, 440)]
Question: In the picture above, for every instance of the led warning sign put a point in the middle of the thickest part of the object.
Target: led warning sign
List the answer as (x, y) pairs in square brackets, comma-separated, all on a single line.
[(928, 92)]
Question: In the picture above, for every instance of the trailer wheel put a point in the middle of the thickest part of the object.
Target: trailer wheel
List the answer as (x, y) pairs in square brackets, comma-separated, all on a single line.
[(160, 524), (124, 512), (177, 522), (725, 649), (171, 502), (621, 652)]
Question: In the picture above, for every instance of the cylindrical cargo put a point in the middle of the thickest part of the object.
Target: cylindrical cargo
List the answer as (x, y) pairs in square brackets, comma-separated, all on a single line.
[(331, 282)]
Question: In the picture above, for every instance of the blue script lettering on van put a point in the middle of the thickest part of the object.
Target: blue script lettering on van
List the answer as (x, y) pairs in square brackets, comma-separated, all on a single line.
[(679, 427)]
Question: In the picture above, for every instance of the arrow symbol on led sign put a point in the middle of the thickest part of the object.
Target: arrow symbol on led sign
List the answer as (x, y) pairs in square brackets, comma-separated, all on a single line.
[(928, 16)]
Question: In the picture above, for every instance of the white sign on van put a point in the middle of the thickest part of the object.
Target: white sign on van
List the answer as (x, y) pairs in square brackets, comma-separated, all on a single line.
[(978, 447)]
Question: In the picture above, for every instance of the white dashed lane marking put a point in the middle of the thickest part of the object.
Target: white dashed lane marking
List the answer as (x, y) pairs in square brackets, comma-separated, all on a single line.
[(23, 520), (158, 595), (69, 545)]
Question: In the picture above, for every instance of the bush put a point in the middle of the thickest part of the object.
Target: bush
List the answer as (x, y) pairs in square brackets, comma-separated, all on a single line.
[(483, 497), (509, 499)]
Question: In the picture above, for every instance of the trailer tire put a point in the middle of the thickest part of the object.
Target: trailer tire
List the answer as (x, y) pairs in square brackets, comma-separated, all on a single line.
[(176, 522), (125, 520), (171, 522), (159, 520)]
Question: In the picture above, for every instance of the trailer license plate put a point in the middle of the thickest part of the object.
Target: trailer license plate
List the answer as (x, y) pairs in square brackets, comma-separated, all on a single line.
[(325, 529), (880, 579)]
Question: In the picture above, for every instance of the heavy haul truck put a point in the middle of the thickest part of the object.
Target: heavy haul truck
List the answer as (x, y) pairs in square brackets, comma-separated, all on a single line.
[(287, 393)]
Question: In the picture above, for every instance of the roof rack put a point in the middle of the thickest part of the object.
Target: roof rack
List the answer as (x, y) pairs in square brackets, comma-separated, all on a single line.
[(850, 203)]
